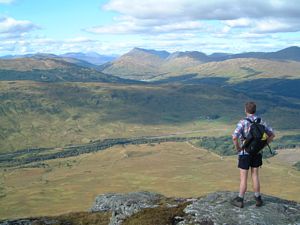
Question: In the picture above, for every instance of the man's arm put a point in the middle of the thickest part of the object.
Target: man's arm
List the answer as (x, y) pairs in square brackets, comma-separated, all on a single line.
[(270, 138), (236, 134), (270, 132), (236, 143)]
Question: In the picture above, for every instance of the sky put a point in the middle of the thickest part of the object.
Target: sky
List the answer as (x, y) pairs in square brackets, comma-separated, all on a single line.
[(116, 26)]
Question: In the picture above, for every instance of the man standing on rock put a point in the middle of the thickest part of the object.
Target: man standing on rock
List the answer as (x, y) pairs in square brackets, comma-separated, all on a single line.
[(247, 160)]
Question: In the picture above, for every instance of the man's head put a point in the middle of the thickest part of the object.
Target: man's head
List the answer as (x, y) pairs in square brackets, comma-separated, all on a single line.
[(250, 107)]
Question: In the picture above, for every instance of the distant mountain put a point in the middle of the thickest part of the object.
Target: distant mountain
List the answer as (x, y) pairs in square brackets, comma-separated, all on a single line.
[(91, 57), (290, 53), (51, 56), (149, 65), (35, 55), (219, 56), (137, 64), (51, 70), (161, 54)]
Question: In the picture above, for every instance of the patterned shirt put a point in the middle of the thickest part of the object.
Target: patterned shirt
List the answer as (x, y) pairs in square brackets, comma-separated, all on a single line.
[(243, 127)]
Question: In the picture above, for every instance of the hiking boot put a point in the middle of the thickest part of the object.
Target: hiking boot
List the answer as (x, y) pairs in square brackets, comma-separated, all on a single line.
[(238, 202), (259, 201)]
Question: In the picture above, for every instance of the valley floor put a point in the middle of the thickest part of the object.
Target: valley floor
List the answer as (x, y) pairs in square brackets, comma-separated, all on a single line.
[(173, 169)]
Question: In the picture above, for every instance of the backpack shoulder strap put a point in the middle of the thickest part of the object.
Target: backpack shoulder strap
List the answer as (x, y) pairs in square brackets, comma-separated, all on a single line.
[(247, 119), (250, 121), (257, 120)]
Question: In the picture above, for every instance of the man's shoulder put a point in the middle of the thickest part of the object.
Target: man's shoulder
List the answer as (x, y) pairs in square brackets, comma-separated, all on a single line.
[(244, 120)]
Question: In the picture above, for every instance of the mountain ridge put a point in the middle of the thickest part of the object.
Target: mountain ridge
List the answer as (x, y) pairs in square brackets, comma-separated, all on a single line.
[(152, 65), (52, 70), (147, 65)]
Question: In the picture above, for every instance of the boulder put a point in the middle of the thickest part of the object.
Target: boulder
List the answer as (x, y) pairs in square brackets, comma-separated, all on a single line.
[(125, 205), (216, 207)]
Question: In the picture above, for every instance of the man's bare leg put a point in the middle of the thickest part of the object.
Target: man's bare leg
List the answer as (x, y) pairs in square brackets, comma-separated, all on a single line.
[(255, 180), (243, 182), (256, 185)]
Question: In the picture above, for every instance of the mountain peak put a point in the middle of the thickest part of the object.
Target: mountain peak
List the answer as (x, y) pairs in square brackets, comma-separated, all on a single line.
[(162, 54), (190, 54), (290, 53), (293, 50)]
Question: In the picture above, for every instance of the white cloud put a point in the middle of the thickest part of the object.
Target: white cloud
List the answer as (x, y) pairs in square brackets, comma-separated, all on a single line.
[(213, 9), (12, 27), (174, 25), (166, 41), (133, 27), (259, 27), (48, 45), (240, 22), (121, 27), (219, 18), (179, 26), (276, 26), (255, 36)]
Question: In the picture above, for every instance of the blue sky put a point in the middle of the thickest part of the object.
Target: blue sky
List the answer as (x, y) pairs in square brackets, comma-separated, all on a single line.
[(116, 26)]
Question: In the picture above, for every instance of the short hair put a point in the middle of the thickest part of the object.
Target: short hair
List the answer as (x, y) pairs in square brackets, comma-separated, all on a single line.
[(250, 107)]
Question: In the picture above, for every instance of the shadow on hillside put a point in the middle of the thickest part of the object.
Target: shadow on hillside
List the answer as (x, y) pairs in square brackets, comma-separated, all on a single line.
[(172, 102)]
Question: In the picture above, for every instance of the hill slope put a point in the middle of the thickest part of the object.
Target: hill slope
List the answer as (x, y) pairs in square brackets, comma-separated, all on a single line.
[(37, 114), (242, 69), (137, 64), (51, 69)]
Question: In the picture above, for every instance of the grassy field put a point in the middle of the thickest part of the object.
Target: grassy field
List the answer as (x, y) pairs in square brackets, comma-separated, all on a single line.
[(173, 169)]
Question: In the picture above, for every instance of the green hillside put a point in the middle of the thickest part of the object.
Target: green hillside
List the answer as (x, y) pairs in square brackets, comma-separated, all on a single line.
[(52, 70), (242, 69), (35, 114), (137, 64)]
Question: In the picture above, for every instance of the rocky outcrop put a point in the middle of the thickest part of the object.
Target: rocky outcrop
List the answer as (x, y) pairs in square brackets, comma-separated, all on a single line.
[(154, 209), (123, 206), (216, 207)]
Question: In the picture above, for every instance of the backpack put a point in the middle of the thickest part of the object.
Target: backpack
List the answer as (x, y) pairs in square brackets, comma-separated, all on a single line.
[(257, 137)]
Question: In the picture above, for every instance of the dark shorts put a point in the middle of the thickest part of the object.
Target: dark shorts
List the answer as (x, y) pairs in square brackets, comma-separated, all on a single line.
[(247, 161)]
